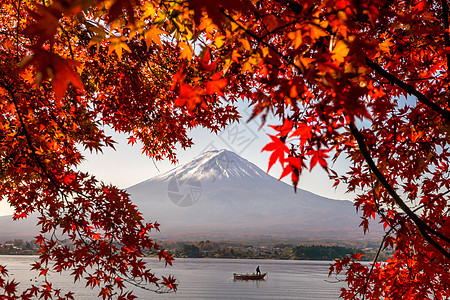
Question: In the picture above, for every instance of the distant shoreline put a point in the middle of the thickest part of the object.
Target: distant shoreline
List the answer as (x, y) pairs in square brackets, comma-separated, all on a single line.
[(232, 250)]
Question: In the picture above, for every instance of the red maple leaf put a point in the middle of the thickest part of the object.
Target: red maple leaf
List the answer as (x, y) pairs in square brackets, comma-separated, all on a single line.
[(278, 149), (318, 156)]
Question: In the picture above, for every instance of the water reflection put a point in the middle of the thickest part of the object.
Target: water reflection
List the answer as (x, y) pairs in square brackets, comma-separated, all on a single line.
[(211, 279)]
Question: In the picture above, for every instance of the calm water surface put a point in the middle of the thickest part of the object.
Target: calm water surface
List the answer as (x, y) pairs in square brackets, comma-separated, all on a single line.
[(204, 278)]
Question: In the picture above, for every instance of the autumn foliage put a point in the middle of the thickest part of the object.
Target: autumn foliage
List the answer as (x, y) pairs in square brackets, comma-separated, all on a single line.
[(365, 80)]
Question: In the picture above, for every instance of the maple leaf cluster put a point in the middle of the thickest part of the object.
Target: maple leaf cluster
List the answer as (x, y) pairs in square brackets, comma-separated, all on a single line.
[(365, 80)]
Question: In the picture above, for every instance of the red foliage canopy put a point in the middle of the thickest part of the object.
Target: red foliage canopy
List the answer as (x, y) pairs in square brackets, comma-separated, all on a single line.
[(368, 80)]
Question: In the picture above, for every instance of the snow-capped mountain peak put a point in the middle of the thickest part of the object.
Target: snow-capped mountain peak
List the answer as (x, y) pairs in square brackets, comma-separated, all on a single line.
[(216, 164), (222, 195)]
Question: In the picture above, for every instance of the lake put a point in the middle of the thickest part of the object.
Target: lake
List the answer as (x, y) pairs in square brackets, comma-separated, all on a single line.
[(208, 278)]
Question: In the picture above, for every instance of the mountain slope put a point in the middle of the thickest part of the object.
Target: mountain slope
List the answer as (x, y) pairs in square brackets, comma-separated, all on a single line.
[(220, 194)]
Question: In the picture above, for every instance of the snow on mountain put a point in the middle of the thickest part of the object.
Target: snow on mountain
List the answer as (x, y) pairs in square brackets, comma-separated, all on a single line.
[(222, 195), (215, 164)]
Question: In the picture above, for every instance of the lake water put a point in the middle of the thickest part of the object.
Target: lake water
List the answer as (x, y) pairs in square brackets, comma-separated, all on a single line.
[(204, 278)]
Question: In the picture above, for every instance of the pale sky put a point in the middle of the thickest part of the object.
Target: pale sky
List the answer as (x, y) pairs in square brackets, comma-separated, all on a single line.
[(127, 166)]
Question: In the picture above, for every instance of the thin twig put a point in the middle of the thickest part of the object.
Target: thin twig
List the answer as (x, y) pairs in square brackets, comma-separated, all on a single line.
[(409, 89)]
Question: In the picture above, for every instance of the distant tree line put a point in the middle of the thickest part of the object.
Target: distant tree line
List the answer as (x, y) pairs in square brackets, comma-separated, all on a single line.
[(277, 251), (191, 251), (216, 251), (322, 252)]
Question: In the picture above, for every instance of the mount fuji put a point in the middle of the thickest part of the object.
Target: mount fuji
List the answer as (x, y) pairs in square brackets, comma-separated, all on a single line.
[(220, 195)]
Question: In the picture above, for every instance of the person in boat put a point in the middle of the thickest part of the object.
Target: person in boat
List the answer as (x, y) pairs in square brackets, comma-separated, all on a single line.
[(258, 271)]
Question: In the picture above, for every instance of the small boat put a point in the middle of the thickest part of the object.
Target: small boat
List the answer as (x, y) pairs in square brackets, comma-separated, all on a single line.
[(249, 276)]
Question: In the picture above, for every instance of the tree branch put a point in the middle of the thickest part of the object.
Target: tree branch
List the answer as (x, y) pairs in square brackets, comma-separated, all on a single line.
[(380, 248), (433, 200), (259, 39), (27, 136), (409, 89), (421, 225)]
